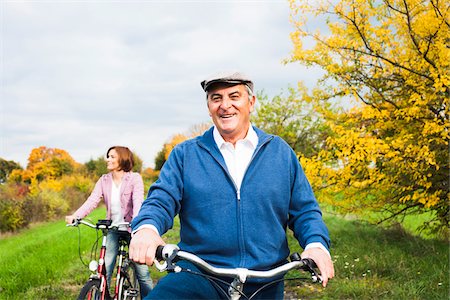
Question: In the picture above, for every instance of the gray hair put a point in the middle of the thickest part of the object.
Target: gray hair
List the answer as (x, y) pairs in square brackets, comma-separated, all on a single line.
[(249, 92)]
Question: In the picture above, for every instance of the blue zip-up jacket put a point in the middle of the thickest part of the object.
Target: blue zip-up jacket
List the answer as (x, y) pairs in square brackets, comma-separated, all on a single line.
[(230, 228)]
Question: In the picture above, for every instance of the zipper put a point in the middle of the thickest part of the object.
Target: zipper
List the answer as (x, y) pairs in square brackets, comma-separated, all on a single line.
[(241, 237)]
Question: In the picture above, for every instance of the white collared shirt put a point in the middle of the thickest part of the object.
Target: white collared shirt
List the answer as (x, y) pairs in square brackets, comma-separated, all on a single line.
[(237, 157)]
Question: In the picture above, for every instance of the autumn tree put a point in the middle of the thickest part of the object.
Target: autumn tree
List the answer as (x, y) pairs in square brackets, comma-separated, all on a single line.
[(391, 58), (50, 186), (149, 176), (167, 148), (45, 162), (176, 139)]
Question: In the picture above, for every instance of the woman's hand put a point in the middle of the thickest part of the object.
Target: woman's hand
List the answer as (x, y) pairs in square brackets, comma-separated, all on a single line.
[(70, 219)]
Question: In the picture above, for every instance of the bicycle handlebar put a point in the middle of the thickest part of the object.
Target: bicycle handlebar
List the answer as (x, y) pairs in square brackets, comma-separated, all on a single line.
[(101, 224), (171, 253)]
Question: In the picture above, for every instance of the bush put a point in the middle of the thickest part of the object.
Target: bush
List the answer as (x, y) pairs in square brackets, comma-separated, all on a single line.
[(13, 215)]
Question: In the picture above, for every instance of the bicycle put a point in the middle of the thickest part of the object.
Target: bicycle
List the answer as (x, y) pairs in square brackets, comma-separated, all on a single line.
[(167, 257), (97, 287)]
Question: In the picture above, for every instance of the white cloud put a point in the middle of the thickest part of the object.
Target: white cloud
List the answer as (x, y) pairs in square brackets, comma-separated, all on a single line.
[(84, 75)]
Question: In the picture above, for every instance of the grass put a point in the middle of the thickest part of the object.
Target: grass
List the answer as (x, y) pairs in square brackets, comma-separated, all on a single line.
[(43, 263), (371, 263), (375, 263)]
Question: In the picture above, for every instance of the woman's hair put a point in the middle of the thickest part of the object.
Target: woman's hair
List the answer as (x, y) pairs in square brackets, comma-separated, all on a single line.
[(126, 160)]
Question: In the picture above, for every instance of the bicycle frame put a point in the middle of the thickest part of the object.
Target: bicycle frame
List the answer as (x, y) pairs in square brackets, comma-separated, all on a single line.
[(99, 267), (122, 265)]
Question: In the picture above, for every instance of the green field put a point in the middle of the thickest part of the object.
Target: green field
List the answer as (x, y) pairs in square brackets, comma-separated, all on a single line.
[(371, 263)]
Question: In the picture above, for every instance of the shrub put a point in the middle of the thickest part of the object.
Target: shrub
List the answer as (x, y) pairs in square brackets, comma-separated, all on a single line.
[(13, 215)]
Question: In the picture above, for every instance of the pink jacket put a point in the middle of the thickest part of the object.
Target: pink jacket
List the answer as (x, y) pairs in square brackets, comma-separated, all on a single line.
[(131, 196)]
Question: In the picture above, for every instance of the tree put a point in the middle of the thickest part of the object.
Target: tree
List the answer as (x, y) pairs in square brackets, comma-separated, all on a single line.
[(160, 159), (167, 148), (97, 167), (51, 163), (149, 176), (175, 140), (138, 162), (6, 167), (50, 186), (390, 152), (292, 118)]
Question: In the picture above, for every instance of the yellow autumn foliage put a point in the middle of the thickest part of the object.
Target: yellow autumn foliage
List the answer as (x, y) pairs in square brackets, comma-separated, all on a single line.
[(391, 60), (176, 139), (52, 185), (179, 138)]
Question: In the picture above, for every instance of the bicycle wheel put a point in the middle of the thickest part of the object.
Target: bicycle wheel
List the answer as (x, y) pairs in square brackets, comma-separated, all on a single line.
[(128, 284), (91, 290)]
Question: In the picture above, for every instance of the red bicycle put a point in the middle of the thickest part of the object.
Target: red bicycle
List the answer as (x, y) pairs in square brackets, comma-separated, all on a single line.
[(97, 287)]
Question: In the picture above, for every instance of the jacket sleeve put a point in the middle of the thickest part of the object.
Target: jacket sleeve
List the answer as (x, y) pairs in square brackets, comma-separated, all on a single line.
[(92, 201), (164, 196), (305, 216), (138, 193)]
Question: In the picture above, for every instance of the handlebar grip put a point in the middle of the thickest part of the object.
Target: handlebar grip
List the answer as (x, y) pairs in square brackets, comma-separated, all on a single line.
[(75, 222), (159, 252), (307, 261)]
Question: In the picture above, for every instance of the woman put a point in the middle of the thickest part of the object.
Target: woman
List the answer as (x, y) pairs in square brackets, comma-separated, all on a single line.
[(123, 193)]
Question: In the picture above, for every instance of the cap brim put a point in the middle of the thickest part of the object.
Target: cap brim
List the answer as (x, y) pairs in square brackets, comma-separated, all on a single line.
[(207, 84)]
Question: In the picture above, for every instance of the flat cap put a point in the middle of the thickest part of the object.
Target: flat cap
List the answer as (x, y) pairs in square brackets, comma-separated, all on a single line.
[(227, 77)]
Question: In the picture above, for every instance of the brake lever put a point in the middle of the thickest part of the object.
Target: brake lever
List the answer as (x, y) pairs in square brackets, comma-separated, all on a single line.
[(168, 255), (309, 265), (75, 223)]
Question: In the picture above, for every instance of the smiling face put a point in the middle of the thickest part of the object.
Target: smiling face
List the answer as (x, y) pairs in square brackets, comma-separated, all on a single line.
[(230, 108), (112, 160)]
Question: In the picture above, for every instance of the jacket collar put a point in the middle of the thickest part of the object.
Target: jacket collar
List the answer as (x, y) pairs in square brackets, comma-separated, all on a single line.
[(126, 176), (109, 179), (207, 140)]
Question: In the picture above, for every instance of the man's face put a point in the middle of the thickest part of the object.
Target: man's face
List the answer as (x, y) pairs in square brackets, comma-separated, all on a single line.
[(230, 108)]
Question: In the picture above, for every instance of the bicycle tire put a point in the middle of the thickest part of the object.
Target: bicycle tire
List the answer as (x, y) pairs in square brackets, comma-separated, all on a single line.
[(90, 290), (128, 284)]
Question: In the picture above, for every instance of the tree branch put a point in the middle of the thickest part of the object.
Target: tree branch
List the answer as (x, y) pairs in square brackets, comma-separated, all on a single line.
[(395, 214), (413, 38)]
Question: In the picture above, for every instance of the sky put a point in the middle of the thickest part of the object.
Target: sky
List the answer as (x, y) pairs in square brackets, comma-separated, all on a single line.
[(86, 75)]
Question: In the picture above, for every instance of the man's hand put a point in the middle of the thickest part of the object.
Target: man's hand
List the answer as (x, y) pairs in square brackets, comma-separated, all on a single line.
[(323, 262), (143, 246)]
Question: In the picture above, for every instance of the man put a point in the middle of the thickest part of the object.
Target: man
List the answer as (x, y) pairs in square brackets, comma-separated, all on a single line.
[(236, 189)]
